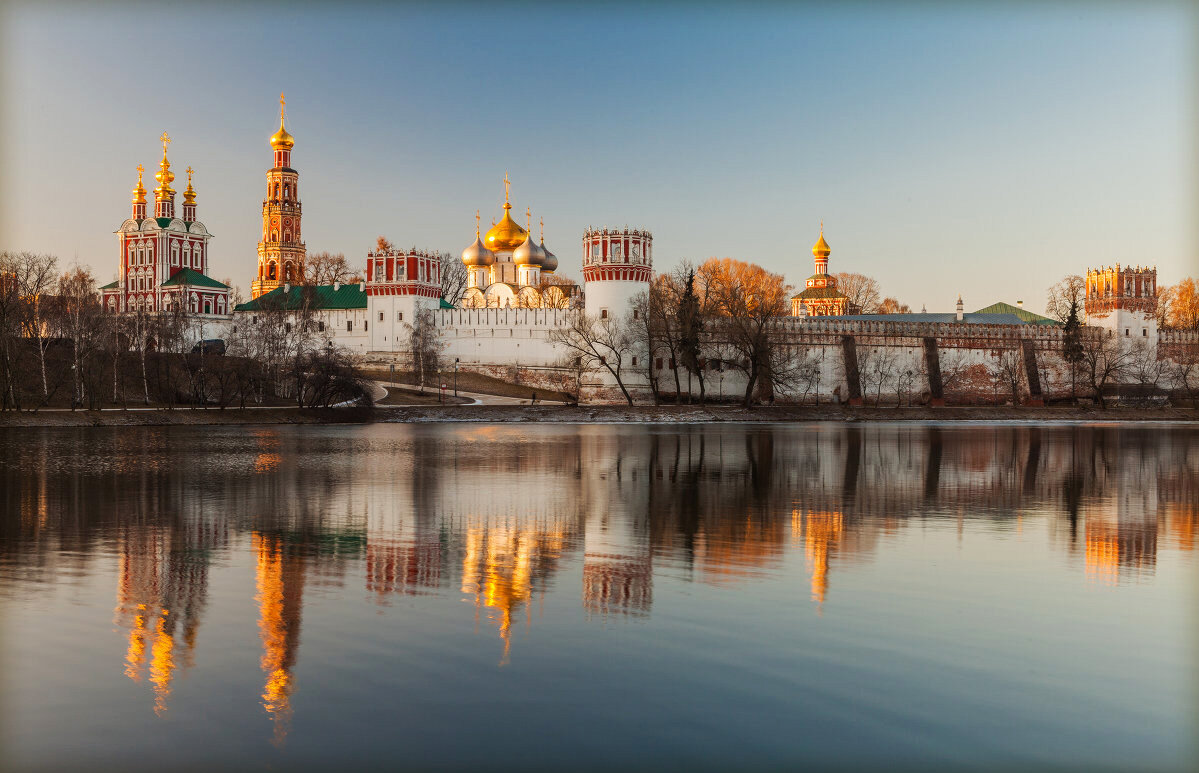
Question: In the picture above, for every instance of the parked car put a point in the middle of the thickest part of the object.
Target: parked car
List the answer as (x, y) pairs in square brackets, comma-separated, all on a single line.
[(209, 346)]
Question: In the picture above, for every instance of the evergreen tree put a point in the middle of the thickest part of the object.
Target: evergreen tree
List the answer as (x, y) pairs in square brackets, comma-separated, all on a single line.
[(689, 327), (1072, 343)]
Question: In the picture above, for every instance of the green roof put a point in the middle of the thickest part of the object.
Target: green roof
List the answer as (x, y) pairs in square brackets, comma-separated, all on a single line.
[(191, 278), (109, 286), (347, 296), (446, 304), (819, 292), (163, 222), (1025, 316)]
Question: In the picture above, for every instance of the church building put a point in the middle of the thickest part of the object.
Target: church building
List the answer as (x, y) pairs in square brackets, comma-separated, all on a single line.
[(164, 259), (820, 297)]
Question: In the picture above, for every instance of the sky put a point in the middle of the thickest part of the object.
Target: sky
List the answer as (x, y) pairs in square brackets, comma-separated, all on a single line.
[(986, 149)]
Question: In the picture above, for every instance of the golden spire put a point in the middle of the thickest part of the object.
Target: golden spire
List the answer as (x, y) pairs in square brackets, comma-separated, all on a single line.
[(281, 140), (164, 174), (189, 195), (477, 219), (139, 193)]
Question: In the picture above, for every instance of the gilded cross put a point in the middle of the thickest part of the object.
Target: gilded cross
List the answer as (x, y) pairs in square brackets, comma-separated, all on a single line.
[(166, 140), (477, 219), (189, 175), (542, 229), (140, 169), (282, 102), (528, 218), (507, 183)]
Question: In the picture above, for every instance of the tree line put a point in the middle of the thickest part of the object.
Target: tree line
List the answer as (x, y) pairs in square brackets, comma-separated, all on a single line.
[(58, 348)]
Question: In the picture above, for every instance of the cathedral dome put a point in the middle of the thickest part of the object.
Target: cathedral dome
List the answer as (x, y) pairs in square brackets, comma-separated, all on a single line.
[(528, 253), (477, 255), (549, 263), (505, 235)]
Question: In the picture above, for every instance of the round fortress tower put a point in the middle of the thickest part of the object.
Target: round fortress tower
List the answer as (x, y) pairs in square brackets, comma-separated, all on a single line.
[(617, 264)]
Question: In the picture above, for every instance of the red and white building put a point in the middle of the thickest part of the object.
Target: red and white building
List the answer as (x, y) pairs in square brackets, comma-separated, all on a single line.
[(164, 258)]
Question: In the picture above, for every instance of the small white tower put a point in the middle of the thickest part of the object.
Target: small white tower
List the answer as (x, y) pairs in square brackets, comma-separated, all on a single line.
[(617, 264), (960, 309)]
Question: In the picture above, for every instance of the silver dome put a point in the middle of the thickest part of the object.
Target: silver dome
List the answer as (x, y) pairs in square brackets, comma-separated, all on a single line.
[(477, 254)]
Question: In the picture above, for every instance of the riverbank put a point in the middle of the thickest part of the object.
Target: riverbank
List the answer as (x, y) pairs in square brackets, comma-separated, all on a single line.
[(187, 416), (585, 414)]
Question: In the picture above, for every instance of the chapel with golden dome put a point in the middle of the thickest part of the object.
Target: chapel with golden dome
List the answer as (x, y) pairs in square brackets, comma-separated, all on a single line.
[(820, 296), (508, 268)]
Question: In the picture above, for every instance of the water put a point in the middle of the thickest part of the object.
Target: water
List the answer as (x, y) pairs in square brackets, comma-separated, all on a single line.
[(544, 597)]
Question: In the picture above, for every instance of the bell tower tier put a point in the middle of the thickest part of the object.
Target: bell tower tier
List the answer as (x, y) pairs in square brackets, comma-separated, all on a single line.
[(281, 252)]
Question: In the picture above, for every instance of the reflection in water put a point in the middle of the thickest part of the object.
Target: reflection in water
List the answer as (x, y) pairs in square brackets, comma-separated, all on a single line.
[(280, 575), (497, 515)]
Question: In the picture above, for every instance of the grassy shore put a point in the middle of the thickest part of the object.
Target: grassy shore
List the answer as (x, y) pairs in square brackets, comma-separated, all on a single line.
[(566, 414)]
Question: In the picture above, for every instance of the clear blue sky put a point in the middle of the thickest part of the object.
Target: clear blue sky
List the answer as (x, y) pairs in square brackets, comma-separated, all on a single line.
[(987, 149)]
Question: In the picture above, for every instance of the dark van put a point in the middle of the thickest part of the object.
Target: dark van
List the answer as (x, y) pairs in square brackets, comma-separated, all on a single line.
[(209, 346)]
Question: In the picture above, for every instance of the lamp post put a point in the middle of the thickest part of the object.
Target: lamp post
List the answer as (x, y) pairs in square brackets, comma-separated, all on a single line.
[(818, 387), (455, 377)]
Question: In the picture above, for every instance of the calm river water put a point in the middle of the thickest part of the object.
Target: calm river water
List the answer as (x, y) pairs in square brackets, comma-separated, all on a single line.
[(600, 597)]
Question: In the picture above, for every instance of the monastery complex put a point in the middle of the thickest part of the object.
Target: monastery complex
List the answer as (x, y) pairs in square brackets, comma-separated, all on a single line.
[(515, 297)]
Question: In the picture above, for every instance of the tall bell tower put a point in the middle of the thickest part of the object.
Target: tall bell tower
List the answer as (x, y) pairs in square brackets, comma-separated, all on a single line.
[(280, 253)]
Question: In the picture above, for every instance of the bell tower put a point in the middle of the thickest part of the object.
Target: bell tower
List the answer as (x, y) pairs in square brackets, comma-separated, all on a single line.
[(281, 252)]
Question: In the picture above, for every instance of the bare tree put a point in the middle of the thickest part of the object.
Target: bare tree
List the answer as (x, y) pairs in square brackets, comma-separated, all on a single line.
[(1070, 290), (597, 343), (80, 322), (863, 292), (1104, 360), (876, 369), (453, 279), (1008, 371), (425, 344), (326, 268), (649, 334), (36, 277), (1144, 365)]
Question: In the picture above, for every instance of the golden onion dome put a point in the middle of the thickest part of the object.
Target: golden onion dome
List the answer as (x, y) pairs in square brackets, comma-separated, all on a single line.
[(281, 140), (528, 253), (821, 249), (477, 254), (505, 235), (139, 193)]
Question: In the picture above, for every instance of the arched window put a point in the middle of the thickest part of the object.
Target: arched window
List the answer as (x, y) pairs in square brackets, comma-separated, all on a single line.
[(187, 255), (286, 190), (192, 303), (220, 305), (271, 270), (207, 306)]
